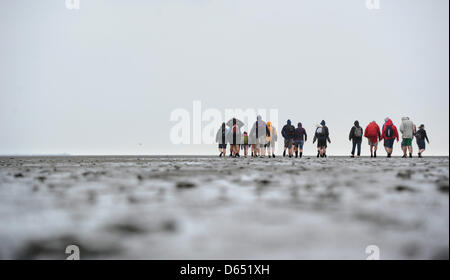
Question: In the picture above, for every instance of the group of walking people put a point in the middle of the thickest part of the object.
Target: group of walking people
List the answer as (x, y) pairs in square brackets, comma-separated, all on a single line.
[(262, 138), (389, 133)]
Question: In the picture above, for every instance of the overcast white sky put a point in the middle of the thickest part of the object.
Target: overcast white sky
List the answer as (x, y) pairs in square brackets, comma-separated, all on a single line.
[(102, 79)]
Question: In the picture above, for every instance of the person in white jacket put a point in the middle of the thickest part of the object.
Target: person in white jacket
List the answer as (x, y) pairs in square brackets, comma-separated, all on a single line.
[(221, 139), (257, 137), (408, 130)]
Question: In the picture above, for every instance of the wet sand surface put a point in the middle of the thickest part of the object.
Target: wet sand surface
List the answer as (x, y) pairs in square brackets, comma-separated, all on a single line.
[(213, 208)]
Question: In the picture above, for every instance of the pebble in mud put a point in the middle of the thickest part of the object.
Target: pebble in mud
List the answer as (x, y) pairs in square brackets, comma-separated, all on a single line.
[(41, 178), (402, 188), (405, 174)]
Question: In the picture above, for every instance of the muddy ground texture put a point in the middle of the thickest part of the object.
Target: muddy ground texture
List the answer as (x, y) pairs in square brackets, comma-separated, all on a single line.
[(210, 207)]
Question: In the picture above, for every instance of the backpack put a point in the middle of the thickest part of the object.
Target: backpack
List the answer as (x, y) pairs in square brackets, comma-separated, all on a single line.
[(419, 135), (358, 132), (389, 131), (320, 132), (291, 131), (371, 131)]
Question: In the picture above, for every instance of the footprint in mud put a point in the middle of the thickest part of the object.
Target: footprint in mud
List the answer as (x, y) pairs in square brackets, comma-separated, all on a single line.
[(443, 187), (405, 174), (403, 188), (41, 178), (263, 182), (136, 228), (127, 229), (442, 184), (93, 174), (185, 185)]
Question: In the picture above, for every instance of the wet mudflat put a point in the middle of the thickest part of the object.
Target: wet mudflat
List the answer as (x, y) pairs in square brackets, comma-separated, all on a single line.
[(208, 207)]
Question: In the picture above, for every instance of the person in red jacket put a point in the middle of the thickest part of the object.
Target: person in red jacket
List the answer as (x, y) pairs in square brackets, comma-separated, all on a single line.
[(389, 134), (373, 134)]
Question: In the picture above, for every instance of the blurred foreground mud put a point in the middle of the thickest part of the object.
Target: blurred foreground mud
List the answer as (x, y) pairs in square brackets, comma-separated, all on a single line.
[(207, 207)]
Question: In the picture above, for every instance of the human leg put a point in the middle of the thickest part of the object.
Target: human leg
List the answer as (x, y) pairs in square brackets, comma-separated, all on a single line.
[(358, 146), (291, 147), (353, 147)]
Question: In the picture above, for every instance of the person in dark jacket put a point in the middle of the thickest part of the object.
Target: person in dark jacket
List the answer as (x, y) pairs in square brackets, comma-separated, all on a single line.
[(299, 139), (322, 135), (288, 133), (356, 134), (421, 136)]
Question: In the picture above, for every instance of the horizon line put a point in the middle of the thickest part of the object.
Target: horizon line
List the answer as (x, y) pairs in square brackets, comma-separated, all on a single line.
[(181, 155)]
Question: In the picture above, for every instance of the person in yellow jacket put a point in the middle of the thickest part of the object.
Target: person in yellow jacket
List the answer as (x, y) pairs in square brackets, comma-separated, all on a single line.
[(271, 138)]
